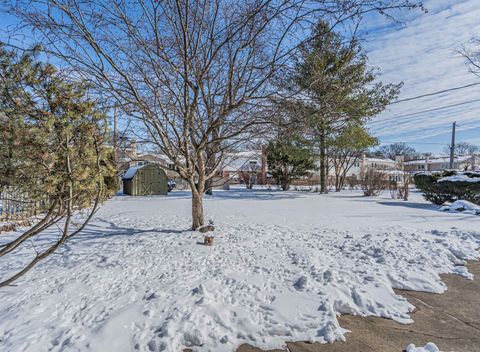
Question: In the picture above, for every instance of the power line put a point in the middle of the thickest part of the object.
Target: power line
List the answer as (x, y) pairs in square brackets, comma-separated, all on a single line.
[(393, 142), (435, 93), (424, 111)]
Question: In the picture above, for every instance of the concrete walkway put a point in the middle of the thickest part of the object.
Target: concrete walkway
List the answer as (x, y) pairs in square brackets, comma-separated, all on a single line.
[(450, 320)]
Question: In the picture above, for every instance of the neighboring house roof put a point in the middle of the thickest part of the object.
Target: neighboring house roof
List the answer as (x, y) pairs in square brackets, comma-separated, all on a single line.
[(438, 160), (238, 161), (155, 158), (380, 160)]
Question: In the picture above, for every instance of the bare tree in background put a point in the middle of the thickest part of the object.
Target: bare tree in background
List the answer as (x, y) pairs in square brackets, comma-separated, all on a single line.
[(346, 149), (471, 53), (462, 148), (193, 72), (393, 150)]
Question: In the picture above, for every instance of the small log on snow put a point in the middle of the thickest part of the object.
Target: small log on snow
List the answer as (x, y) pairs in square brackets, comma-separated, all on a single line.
[(208, 240)]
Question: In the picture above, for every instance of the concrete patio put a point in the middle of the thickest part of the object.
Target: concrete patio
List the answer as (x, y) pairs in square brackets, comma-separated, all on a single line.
[(451, 320)]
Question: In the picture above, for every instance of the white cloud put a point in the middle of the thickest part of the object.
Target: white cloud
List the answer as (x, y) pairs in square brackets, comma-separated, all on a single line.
[(423, 54)]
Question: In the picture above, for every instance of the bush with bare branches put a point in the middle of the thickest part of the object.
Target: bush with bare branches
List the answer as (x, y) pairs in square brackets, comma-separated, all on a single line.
[(373, 182)]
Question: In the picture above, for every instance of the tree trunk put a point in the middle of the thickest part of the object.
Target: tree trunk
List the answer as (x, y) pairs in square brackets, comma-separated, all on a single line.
[(323, 163), (197, 208), (338, 183), (208, 186), (343, 176)]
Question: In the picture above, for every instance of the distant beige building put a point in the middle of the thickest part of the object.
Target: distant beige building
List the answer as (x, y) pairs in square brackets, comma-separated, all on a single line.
[(466, 162)]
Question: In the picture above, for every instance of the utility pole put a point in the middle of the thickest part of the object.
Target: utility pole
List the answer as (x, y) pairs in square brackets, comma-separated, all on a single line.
[(452, 146)]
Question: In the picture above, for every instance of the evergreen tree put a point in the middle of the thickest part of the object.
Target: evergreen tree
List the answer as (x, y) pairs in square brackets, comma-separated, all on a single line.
[(289, 158), (52, 150), (337, 87)]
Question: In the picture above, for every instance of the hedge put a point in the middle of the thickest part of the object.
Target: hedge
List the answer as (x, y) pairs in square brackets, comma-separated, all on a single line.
[(449, 186)]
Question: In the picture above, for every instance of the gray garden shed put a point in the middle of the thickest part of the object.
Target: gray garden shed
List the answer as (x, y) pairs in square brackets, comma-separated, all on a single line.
[(145, 180)]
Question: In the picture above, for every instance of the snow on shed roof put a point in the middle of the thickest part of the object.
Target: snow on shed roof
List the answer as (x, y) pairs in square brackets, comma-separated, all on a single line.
[(131, 172)]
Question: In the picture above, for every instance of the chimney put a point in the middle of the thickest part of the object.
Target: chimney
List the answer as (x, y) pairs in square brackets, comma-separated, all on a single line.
[(427, 159), (133, 147), (399, 161), (363, 164)]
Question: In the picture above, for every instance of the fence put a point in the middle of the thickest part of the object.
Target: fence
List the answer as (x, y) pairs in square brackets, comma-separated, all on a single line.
[(16, 206)]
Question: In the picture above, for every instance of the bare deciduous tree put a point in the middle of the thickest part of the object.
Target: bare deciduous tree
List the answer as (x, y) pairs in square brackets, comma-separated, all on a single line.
[(193, 72), (391, 151), (462, 148), (346, 149)]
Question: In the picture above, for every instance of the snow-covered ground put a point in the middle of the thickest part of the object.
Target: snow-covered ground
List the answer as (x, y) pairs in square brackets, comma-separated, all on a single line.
[(282, 267), (462, 206)]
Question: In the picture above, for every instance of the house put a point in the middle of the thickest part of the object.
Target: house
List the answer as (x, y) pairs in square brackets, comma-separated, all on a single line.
[(147, 179), (369, 163), (245, 167), (461, 162)]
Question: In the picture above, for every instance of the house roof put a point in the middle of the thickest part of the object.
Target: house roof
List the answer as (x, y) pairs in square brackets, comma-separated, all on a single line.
[(236, 161), (438, 160), (380, 160)]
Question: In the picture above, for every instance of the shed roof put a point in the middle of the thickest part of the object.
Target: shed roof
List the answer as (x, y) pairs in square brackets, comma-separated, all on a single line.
[(132, 172)]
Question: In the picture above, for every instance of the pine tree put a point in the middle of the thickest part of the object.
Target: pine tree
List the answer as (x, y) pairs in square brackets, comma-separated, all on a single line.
[(52, 149), (337, 87)]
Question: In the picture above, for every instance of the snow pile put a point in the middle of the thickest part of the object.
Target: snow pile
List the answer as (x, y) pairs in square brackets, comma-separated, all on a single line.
[(429, 347), (283, 267), (462, 206), (461, 177)]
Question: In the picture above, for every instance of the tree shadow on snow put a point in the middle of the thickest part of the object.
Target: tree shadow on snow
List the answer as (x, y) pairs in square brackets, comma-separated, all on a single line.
[(407, 204), (96, 231), (254, 194)]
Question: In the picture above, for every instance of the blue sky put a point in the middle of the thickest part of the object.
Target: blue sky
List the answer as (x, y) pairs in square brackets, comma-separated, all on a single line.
[(422, 52)]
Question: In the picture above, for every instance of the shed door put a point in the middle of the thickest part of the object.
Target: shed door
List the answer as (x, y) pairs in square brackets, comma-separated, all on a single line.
[(149, 180), (152, 181)]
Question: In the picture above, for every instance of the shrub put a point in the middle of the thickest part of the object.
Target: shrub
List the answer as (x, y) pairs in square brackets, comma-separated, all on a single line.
[(373, 182), (288, 159), (393, 187), (449, 186)]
